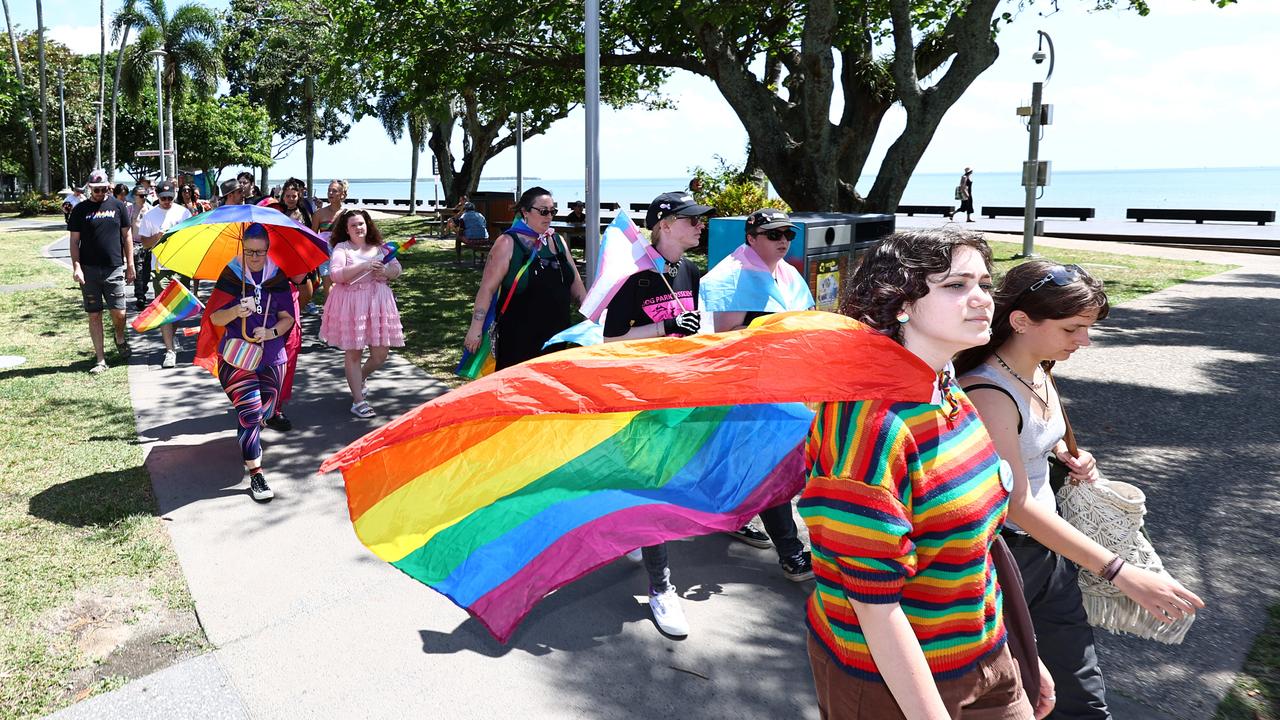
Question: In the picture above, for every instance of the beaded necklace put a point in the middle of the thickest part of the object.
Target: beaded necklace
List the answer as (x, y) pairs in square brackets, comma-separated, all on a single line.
[(1043, 400)]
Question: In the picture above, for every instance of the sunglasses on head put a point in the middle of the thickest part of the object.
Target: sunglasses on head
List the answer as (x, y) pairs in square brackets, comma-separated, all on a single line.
[(545, 211), (776, 235), (1059, 275)]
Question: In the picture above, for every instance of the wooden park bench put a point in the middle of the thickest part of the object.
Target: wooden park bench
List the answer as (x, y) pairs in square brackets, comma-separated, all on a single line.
[(1079, 213), (1261, 217), (910, 210)]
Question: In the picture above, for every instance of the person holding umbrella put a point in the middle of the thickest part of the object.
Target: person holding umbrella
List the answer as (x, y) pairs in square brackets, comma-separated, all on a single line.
[(253, 306)]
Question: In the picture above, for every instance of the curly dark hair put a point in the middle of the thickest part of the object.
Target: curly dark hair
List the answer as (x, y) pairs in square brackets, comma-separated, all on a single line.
[(339, 233), (895, 272), (1048, 302)]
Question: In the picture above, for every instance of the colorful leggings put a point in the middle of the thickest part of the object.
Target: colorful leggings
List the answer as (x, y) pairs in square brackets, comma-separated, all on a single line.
[(254, 396)]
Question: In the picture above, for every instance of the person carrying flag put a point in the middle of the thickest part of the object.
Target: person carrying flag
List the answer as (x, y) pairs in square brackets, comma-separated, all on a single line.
[(652, 304), (152, 226), (532, 277)]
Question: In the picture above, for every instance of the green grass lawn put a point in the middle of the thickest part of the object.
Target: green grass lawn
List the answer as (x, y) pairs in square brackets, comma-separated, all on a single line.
[(77, 517), (1255, 695)]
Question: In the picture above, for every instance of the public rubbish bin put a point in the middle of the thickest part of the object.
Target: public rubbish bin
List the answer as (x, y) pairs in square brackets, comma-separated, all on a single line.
[(826, 247)]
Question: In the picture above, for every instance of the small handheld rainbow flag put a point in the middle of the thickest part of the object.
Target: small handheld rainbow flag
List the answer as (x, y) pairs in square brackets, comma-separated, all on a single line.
[(481, 362), (396, 247), (174, 303)]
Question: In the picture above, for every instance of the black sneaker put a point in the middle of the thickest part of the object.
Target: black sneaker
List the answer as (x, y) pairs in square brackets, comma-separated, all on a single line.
[(797, 568), (279, 422), (752, 537), (258, 487)]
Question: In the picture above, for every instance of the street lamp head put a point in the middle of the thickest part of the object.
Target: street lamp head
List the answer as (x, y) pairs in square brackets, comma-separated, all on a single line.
[(157, 53), (1038, 56)]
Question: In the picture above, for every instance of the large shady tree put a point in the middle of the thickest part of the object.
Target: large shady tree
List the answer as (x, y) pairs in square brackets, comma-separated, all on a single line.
[(456, 67), (775, 63)]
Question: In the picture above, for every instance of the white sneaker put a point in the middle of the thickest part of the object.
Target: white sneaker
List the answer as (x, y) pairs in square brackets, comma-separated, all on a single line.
[(170, 359), (668, 614), (636, 556)]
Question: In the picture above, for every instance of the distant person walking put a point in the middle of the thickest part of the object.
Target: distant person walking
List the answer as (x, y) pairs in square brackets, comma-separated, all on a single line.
[(322, 222), (141, 252), (189, 198), (361, 310), (101, 248), (532, 277), (964, 193), (151, 227)]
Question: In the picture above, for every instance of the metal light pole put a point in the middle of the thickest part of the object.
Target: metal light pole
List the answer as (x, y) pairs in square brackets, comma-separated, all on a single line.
[(519, 154), (159, 56), (593, 135), (62, 106), (1032, 178)]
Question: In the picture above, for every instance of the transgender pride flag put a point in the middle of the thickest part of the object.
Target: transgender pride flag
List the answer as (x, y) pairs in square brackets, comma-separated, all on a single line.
[(175, 303), (623, 253), (742, 282)]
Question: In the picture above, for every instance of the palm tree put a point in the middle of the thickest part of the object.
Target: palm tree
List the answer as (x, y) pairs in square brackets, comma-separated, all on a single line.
[(190, 39), (44, 106), (120, 27), (31, 125), (396, 113)]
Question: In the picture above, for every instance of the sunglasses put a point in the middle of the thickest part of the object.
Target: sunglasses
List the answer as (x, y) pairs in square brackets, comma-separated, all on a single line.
[(776, 235), (255, 253), (545, 211), (1059, 275)]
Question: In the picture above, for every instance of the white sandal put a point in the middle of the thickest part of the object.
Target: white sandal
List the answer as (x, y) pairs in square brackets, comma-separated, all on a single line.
[(362, 410)]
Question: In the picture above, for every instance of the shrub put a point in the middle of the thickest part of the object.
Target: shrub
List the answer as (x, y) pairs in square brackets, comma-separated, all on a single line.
[(30, 204), (731, 192)]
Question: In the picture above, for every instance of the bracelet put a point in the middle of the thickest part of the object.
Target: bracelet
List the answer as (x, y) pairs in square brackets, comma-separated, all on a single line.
[(1111, 569), (275, 332)]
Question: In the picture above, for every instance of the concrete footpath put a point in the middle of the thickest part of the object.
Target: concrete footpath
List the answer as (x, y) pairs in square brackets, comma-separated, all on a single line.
[(1177, 395)]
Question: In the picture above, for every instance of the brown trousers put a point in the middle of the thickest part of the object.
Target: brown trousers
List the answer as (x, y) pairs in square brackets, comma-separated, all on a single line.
[(991, 691)]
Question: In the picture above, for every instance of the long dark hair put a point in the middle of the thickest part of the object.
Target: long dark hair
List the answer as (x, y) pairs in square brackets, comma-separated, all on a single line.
[(338, 234), (1048, 302), (895, 272)]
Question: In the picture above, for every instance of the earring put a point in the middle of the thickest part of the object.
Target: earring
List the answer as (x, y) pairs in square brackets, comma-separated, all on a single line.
[(902, 317)]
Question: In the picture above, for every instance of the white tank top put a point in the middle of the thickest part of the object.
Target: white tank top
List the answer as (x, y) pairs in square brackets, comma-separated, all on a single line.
[(1036, 436)]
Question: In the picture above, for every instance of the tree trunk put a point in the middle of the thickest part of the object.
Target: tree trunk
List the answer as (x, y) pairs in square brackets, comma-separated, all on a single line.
[(309, 103), (415, 141), (44, 105), (26, 109), (115, 96), (102, 81)]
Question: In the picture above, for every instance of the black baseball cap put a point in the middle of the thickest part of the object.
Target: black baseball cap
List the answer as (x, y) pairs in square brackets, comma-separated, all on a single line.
[(768, 219), (229, 186), (165, 189), (679, 203)]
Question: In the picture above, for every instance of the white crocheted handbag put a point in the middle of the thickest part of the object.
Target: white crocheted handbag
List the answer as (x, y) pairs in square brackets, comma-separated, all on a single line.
[(1111, 513)]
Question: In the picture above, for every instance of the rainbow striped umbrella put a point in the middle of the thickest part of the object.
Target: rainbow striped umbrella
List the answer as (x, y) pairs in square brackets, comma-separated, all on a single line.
[(201, 247)]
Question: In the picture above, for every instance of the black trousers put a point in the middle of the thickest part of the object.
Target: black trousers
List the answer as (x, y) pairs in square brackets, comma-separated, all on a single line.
[(1063, 633), (780, 524)]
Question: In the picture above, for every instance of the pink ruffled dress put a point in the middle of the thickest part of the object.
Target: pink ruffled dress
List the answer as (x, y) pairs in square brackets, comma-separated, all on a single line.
[(361, 310)]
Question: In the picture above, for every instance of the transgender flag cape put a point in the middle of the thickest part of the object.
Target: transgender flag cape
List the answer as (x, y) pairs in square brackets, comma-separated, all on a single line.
[(516, 484), (742, 282)]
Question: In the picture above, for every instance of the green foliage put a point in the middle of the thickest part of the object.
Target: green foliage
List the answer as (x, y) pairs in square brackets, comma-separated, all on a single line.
[(732, 192), (218, 132), (270, 48), (190, 38), (33, 203)]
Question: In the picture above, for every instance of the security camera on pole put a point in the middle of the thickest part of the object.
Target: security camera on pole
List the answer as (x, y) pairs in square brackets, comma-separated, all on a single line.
[(1035, 172)]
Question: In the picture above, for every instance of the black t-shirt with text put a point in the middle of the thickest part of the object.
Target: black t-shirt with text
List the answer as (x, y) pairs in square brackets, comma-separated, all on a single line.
[(99, 225), (644, 299)]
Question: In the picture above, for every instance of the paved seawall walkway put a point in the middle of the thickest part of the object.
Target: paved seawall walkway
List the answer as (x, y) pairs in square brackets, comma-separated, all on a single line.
[(1177, 395)]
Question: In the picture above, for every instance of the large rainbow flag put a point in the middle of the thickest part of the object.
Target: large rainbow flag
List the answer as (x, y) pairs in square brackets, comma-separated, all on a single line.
[(173, 304), (516, 484)]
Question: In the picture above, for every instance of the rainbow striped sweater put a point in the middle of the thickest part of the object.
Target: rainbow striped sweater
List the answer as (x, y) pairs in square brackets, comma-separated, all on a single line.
[(902, 506)]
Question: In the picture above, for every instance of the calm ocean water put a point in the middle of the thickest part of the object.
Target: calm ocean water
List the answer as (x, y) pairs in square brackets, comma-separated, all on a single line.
[(1110, 192)]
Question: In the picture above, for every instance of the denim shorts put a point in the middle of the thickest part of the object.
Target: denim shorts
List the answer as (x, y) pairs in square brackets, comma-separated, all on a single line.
[(103, 288)]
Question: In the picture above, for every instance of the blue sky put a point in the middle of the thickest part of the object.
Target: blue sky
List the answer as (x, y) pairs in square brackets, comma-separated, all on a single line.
[(1188, 86)]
